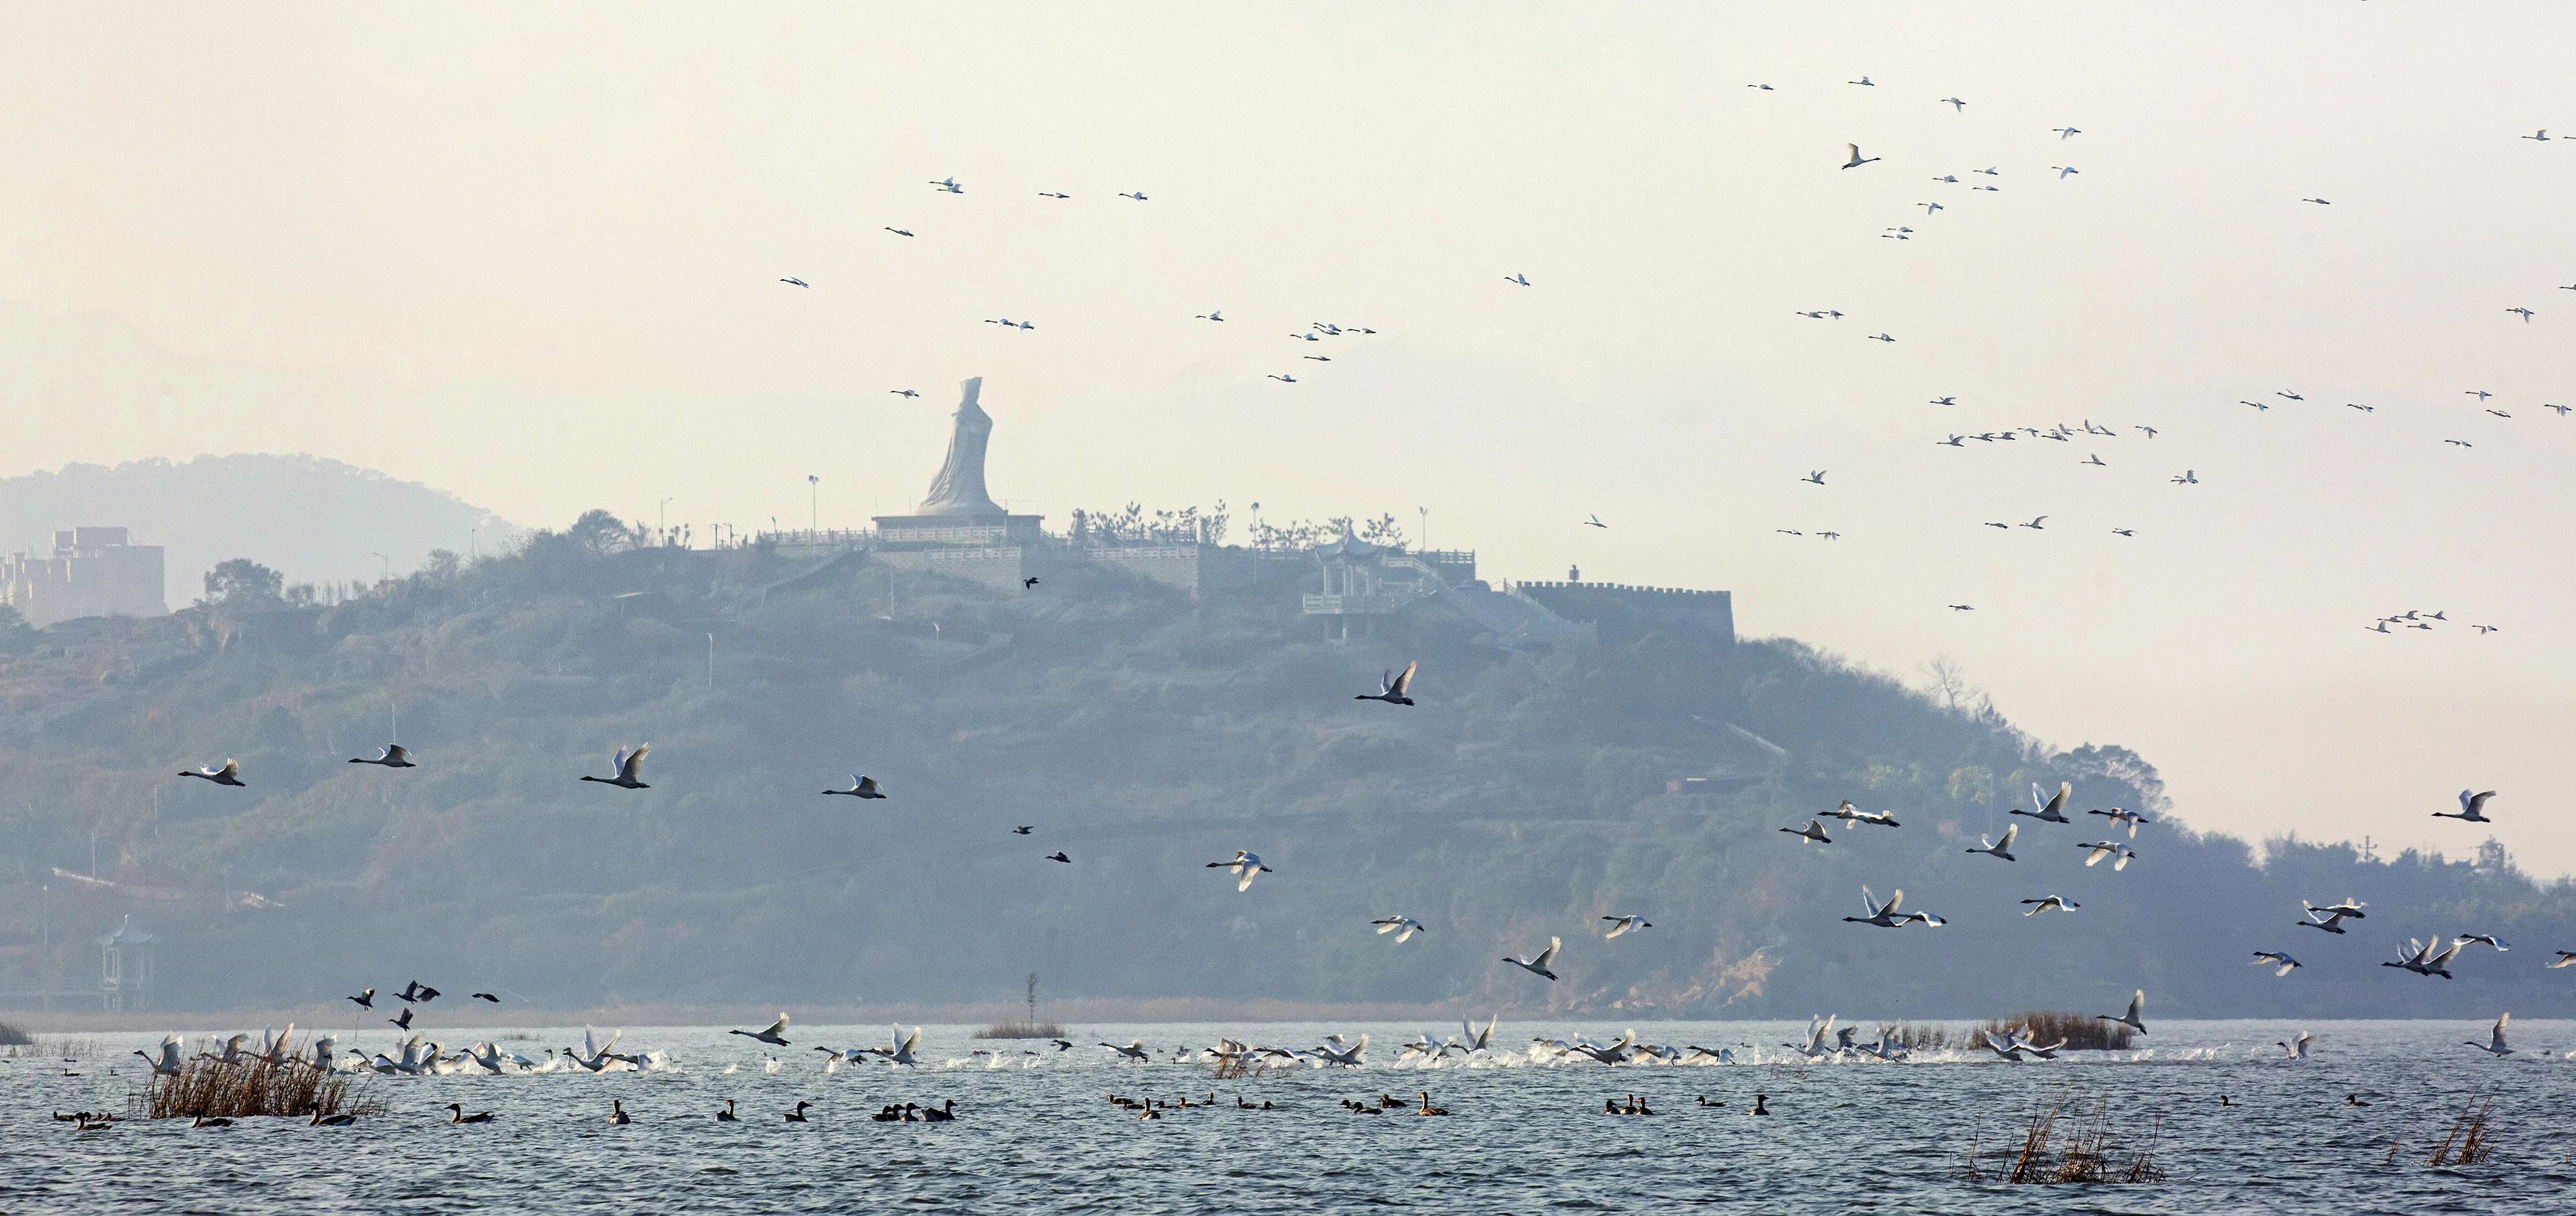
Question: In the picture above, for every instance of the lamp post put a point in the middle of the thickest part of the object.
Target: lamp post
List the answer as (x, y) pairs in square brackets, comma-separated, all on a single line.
[(1426, 528), (389, 566), (813, 497)]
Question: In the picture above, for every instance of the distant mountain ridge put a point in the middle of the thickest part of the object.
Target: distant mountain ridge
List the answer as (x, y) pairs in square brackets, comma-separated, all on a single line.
[(313, 519)]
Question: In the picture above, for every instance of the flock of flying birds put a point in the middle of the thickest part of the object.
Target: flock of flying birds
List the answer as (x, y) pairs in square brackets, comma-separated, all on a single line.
[(1983, 180), (1314, 331), (2428, 958)]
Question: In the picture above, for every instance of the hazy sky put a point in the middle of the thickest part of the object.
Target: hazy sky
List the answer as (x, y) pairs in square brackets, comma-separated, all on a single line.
[(529, 253)]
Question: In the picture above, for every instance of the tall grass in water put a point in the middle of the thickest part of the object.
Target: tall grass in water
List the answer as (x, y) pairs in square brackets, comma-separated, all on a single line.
[(1021, 1030), (1921, 1036), (2082, 1032), (212, 1088), (2066, 1143), (2468, 1143)]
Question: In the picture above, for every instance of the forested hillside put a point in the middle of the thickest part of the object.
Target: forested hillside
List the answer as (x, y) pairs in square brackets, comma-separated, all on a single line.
[(1143, 733)]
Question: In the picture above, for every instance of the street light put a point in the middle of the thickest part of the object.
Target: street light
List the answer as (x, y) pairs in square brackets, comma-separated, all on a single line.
[(813, 497), (389, 566)]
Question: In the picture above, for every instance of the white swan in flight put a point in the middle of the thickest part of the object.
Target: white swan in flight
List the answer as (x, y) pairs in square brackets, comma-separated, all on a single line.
[(2118, 816), (2137, 1006), (1479, 1040), (2002, 850), (775, 1035), (2284, 963), (2487, 938), (860, 787), (1624, 924), (1243, 865), (1886, 916), (1850, 815), (1404, 927), (394, 757), (2422, 958), (2297, 1048), (2108, 848), (901, 1051), (168, 1063), (2495, 1046), (229, 774), (1333, 1053), (2328, 919), (1814, 832), (1393, 689), (626, 765), (2052, 810), (2473, 807), (1857, 160), (2051, 903), (1539, 965)]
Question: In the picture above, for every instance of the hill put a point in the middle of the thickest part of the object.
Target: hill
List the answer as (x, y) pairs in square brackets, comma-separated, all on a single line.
[(318, 521), (1144, 733)]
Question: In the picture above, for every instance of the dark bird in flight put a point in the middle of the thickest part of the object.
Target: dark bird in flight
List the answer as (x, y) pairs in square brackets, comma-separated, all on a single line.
[(402, 1021), (486, 996), (1283, 379), (2318, 201), (365, 1000), (414, 990), (1516, 277), (798, 282), (2124, 532), (900, 231), (903, 392), (1030, 581), (2526, 314), (1963, 608), (1595, 522), (1023, 830), (1059, 856), (1052, 194)]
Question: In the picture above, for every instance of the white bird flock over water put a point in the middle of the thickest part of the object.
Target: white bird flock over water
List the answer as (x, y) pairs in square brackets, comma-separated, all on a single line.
[(414, 1055)]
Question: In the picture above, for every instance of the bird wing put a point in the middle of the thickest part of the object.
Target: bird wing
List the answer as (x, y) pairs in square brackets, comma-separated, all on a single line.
[(1868, 902), (395, 751), (2056, 805), (2137, 1003), (2499, 1031), (2099, 852), (2009, 833), (779, 1026), (634, 760), (1895, 899), (1549, 954), (231, 768), (1404, 681)]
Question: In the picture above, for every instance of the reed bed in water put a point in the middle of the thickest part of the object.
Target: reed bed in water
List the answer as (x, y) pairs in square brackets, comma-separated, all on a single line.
[(212, 1088), (1922, 1036), (1022, 1030), (2066, 1143), (2081, 1031)]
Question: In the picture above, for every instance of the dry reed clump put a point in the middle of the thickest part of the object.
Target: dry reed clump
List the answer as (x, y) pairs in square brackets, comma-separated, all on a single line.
[(2078, 1151), (1921, 1036), (214, 1089), (2468, 1142), (2082, 1032), (1021, 1030), (11, 1036)]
